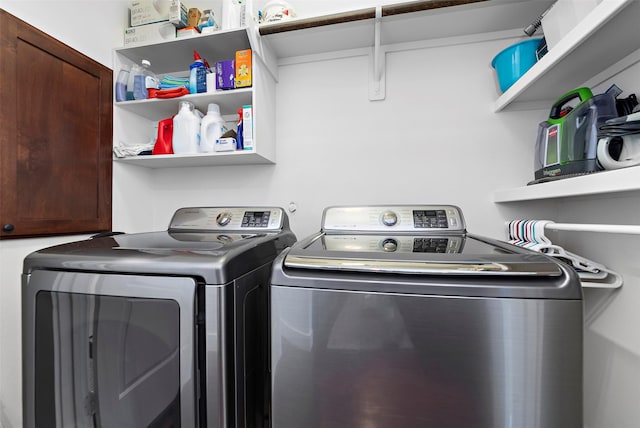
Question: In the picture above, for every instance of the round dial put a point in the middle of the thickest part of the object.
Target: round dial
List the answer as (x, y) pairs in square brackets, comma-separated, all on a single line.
[(223, 218), (389, 245), (389, 218)]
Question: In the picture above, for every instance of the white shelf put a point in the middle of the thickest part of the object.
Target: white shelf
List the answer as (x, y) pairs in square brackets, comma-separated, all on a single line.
[(175, 56), (157, 109), (193, 160), (454, 21), (133, 118), (605, 36), (604, 182)]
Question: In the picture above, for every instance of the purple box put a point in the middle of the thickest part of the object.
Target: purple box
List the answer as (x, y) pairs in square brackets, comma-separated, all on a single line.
[(226, 74)]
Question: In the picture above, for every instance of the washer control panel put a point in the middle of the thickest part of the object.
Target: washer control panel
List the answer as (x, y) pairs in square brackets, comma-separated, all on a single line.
[(397, 218), (231, 218), (450, 244)]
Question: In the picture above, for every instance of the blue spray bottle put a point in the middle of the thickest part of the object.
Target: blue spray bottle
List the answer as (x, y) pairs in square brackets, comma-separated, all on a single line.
[(197, 75), (239, 139)]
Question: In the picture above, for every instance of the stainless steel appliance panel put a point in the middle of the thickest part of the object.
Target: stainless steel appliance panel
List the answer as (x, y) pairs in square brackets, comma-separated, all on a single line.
[(156, 329), (237, 370), (108, 350), (359, 359)]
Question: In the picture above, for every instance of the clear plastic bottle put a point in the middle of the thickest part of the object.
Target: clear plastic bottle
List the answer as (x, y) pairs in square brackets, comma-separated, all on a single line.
[(211, 128), (186, 129), (136, 70), (121, 84), (143, 80)]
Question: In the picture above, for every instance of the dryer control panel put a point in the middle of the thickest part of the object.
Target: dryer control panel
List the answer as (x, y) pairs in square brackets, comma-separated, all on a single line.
[(255, 219), (424, 219)]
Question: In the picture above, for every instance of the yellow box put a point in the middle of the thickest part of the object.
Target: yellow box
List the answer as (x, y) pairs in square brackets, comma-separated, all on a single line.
[(193, 17), (243, 68)]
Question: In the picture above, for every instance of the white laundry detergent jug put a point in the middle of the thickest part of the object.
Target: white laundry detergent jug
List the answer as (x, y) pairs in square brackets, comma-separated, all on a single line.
[(211, 129), (186, 129)]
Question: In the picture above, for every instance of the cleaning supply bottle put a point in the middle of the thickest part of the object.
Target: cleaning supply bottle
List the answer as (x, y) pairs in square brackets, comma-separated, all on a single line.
[(143, 80), (186, 129), (136, 70), (121, 84), (211, 128), (239, 139), (197, 75), (164, 142)]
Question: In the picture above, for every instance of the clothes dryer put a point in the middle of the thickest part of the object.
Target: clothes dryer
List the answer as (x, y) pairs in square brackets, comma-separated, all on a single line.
[(160, 329), (395, 316)]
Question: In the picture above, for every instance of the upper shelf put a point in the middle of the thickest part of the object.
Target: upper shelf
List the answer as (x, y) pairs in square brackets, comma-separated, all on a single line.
[(607, 35), (176, 55), (604, 182), (408, 22)]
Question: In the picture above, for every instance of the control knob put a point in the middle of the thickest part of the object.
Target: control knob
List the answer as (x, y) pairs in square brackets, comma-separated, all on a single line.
[(389, 245), (223, 218), (389, 218)]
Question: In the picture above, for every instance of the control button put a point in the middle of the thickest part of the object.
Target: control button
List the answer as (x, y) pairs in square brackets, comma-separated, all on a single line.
[(389, 245), (223, 218), (389, 218)]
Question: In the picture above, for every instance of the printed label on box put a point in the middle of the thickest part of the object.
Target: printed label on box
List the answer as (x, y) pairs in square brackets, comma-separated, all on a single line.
[(148, 11), (243, 68), (225, 74)]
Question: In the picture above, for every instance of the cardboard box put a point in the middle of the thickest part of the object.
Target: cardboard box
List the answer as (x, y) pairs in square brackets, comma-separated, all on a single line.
[(187, 32), (225, 74), (247, 127), (243, 68), (178, 14), (148, 34), (148, 11), (194, 17)]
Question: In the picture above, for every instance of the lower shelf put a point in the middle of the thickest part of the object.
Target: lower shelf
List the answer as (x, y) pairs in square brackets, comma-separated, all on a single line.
[(194, 160), (614, 181)]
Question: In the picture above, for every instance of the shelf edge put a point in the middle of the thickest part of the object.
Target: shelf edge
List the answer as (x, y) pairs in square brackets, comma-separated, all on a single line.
[(613, 181), (196, 160)]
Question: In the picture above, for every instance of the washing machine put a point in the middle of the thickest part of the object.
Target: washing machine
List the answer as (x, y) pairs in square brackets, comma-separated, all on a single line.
[(395, 316), (159, 329)]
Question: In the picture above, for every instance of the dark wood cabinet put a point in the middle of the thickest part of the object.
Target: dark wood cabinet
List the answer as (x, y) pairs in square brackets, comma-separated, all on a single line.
[(55, 136)]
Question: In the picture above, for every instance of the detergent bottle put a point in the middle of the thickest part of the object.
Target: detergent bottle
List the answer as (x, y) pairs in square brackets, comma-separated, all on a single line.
[(186, 129), (164, 142), (143, 79), (136, 70), (211, 128), (121, 84)]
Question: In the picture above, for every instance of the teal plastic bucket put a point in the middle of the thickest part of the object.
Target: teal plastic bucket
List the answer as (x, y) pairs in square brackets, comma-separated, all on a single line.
[(512, 62)]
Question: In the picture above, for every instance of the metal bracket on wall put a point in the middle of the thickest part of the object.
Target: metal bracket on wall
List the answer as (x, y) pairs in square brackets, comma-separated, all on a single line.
[(377, 63)]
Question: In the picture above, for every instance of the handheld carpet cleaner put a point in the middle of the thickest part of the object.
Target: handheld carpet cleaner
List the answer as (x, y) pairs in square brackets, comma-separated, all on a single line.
[(567, 142)]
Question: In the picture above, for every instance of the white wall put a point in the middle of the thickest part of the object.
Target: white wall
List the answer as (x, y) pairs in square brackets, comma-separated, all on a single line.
[(434, 139)]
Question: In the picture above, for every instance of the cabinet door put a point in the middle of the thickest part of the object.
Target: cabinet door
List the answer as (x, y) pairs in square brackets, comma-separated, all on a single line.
[(55, 138)]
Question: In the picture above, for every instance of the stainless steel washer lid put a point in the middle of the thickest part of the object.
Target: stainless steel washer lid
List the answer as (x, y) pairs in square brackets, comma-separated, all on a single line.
[(472, 266), (196, 248), (416, 254)]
